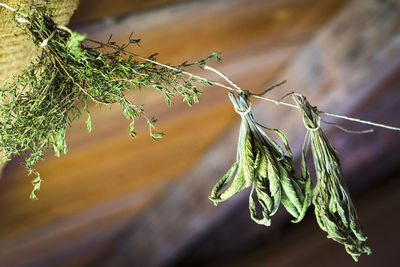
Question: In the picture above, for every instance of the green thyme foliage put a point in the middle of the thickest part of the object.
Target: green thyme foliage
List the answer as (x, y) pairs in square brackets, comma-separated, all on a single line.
[(38, 106), (262, 164), (334, 209)]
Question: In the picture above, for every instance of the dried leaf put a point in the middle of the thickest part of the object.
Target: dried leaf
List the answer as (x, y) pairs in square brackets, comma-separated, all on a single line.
[(264, 201), (334, 208), (222, 183), (264, 165), (237, 185), (247, 161)]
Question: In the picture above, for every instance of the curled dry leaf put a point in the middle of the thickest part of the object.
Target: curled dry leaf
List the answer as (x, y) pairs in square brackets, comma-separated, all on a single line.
[(262, 164), (334, 209)]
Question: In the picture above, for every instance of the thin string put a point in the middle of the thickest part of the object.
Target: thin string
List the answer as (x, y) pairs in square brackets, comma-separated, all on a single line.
[(313, 129), (348, 130), (361, 121), (19, 19), (332, 114), (224, 77), (8, 7), (318, 126), (272, 87), (233, 88), (243, 113), (160, 64), (275, 101)]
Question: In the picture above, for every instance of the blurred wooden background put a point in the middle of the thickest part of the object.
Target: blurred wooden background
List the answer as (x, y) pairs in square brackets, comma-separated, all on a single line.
[(114, 201)]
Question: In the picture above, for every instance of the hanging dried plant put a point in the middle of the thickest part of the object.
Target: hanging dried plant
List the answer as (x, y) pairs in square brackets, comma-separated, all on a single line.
[(38, 106), (334, 209), (262, 164)]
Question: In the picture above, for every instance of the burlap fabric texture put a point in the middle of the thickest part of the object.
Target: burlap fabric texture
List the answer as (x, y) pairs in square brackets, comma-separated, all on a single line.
[(16, 51)]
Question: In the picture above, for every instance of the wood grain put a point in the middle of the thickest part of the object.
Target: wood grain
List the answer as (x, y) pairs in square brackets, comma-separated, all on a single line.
[(91, 10)]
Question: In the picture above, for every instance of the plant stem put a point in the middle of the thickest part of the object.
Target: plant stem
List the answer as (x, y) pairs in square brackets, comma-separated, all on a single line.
[(162, 65), (233, 88)]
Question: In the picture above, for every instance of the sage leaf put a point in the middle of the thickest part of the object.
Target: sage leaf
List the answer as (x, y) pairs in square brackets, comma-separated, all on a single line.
[(265, 167), (334, 209), (222, 183)]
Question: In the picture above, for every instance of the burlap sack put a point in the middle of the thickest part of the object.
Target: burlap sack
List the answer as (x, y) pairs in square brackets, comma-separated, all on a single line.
[(16, 51)]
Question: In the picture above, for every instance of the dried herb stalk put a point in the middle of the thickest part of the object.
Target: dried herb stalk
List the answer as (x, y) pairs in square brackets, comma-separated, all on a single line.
[(37, 106), (262, 164), (334, 209)]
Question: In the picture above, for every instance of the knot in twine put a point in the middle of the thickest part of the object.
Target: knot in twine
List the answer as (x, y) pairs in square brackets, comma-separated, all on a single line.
[(243, 112), (239, 102), (313, 129)]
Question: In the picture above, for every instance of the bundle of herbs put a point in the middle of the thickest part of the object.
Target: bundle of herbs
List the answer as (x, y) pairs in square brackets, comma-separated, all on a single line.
[(38, 106), (334, 209), (262, 164)]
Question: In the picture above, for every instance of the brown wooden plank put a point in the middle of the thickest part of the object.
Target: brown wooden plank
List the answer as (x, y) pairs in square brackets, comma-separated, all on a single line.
[(90, 10)]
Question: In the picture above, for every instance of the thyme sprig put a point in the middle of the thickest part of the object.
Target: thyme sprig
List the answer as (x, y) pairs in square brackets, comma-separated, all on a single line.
[(38, 106), (262, 164), (334, 209)]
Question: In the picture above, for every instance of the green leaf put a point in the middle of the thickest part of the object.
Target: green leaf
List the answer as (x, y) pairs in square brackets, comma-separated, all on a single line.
[(247, 161), (216, 56), (290, 198), (273, 174), (5, 158), (74, 45), (222, 183), (158, 135), (334, 210), (257, 161), (89, 123), (264, 219), (132, 132), (237, 185), (260, 168), (308, 193), (308, 188), (284, 141), (36, 187)]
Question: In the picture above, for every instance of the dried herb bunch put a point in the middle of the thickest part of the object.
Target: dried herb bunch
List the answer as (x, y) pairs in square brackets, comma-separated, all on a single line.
[(37, 106), (334, 209), (262, 164)]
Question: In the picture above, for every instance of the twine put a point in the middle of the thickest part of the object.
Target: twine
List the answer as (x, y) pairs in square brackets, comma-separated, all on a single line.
[(234, 86), (313, 129), (243, 113)]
